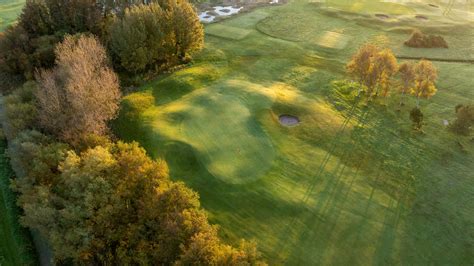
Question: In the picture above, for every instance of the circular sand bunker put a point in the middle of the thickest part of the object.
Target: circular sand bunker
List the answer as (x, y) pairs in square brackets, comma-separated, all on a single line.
[(382, 16), (289, 120)]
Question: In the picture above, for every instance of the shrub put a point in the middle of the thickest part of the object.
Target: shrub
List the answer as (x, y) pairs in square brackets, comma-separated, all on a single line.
[(464, 119), (416, 116), (81, 94), (420, 40)]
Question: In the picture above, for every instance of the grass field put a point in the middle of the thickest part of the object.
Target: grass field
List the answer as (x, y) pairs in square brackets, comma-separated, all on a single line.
[(9, 11), (15, 244), (350, 184)]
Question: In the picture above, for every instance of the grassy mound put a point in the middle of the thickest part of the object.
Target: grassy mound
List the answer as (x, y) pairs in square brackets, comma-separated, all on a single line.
[(421, 40)]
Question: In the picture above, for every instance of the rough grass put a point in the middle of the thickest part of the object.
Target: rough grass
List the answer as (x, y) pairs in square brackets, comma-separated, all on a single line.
[(16, 247), (334, 40), (369, 7), (9, 11)]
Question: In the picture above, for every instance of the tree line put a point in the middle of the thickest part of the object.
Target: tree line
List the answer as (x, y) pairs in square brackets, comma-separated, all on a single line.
[(377, 73), (138, 37), (95, 199)]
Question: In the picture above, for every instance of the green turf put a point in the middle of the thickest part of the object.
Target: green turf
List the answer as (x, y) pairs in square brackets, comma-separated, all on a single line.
[(349, 185), (227, 32), (9, 11), (16, 247)]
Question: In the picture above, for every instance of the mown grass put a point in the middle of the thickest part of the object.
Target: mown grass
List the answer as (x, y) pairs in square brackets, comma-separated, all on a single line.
[(9, 11), (350, 184), (16, 247)]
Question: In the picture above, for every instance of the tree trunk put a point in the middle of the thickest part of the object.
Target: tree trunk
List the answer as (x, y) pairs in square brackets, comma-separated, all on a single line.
[(401, 98)]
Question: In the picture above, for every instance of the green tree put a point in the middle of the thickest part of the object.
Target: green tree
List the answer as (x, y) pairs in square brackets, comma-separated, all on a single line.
[(155, 36), (36, 19), (29, 45), (81, 94), (19, 111), (75, 16), (137, 41), (416, 117), (188, 30)]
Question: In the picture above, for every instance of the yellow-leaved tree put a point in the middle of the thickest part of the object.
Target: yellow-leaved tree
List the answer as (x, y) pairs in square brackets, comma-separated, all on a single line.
[(361, 65), (406, 73), (425, 79)]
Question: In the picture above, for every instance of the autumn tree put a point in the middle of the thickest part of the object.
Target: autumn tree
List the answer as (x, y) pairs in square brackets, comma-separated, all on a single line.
[(464, 119), (406, 72), (373, 68), (425, 79), (112, 204), (205, 248), (361, 64), (81, 93), (385, 66)]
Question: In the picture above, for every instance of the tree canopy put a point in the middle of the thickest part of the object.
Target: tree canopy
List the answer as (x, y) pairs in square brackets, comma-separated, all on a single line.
[(154, 36), (81, 93)]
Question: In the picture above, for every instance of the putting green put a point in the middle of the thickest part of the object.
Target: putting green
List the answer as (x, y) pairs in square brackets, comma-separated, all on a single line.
[(221, 129)]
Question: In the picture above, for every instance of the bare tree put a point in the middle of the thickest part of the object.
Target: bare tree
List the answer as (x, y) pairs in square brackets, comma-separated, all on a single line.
[(81, 93)]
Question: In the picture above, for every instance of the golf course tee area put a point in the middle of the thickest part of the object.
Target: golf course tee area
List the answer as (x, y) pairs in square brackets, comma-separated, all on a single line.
[(347, 182)]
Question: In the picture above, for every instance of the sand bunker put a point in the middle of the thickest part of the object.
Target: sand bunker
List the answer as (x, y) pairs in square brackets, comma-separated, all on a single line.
[(382, 16), (205, 17), (218, 11), (289, 120), (227, 10)]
